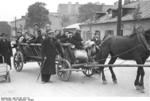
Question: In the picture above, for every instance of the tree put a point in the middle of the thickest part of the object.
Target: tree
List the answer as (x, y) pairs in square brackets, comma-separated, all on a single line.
[(37, 13), (65, 20), (87, 11)]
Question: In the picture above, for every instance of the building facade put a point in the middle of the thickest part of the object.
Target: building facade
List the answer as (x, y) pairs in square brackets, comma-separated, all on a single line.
[(108, 23)]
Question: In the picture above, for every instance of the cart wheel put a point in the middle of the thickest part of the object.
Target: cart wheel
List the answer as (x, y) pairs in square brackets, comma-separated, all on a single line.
[(18, 61), (60, 65), (88, 72)]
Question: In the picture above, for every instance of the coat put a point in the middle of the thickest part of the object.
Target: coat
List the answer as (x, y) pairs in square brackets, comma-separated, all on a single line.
[(50, 48), (6, 51), (96, 40), (77, 41)]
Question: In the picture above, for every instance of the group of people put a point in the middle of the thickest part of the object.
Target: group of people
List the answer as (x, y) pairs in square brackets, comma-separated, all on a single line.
[(51, 45)]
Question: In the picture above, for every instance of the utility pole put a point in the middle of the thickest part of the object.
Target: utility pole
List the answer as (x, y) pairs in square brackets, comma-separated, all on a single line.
[(119, 18), (15, 27)]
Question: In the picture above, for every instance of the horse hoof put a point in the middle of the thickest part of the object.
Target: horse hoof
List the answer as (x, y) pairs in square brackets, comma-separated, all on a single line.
[(104, 82), (115, 81), (137, 87), (142, 89)]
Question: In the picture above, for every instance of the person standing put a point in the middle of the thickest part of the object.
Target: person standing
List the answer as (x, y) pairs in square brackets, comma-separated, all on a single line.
[(50, 48)]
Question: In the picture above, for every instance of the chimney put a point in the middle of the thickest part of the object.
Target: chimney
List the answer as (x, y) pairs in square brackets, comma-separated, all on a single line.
[(127, 2)]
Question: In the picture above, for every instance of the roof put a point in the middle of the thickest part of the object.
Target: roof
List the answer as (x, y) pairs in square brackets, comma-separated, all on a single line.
[(73, 26), (144, 9)]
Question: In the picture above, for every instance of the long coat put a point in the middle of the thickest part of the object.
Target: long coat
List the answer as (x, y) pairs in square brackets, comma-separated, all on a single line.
[(50, 49), (6, 51)]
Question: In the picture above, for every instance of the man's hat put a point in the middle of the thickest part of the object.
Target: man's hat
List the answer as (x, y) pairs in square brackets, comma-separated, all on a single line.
[(47, 25), (50, 32), (35, 24)]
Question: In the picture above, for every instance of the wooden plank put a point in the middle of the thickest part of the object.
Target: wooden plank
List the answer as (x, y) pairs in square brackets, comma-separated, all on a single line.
[(113, 65), (71, 70), (116, 65), (30, 44)]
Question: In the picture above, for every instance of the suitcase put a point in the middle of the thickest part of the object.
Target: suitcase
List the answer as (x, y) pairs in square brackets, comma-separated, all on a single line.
[(4, 70)]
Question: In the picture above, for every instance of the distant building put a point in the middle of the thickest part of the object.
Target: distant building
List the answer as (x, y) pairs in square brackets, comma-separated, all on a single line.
[(5, 28), (20, 23), (16, 25), (55, 21), (72, 11), (68, 9), (106, 22)]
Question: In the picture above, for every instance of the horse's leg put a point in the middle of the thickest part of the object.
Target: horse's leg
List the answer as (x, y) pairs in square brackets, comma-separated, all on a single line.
[(139, 84), (112, 60), (103, 76), (136, 83), (141, 81)]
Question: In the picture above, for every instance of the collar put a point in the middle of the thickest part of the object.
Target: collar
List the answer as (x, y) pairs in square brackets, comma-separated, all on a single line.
[(142, 38)]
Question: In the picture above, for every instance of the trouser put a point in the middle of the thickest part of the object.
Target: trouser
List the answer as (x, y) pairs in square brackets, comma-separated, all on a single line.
[(45, 77)]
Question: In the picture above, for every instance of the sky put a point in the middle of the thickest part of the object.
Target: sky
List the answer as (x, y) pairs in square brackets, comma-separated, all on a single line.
[(9, 9)]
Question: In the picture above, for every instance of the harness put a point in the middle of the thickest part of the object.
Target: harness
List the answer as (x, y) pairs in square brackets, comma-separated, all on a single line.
[(142, 41)]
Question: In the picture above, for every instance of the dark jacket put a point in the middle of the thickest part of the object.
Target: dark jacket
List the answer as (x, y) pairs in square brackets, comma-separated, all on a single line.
[(50, 48), (63, 38), (6, 50), (77, 41), (96, 40)]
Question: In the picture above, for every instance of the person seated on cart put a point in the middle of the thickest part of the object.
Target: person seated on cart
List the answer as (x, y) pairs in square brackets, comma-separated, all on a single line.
[(96, 38), (77, 40), (64, 37), (37, 33)]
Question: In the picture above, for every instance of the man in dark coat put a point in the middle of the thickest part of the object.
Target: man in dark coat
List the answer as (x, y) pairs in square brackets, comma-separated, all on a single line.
[(6, 50), (77, 40), (49, 50)]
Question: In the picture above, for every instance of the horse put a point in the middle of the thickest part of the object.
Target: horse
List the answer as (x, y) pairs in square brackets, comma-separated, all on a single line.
[(134, 47)]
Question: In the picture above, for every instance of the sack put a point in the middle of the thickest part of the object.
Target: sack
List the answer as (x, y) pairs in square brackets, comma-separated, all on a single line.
[(88, 43), (81, 54)]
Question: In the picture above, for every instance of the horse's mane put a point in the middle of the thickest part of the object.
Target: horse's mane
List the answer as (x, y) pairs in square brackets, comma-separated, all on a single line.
[(147, 31)]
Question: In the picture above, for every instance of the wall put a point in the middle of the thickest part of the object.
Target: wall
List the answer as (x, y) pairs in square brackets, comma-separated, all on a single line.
[(127, 28)]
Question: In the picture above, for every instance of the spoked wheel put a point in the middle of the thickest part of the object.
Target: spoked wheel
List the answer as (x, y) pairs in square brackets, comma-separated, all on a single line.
[(88, 72), (61, 73), (18, 61)]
